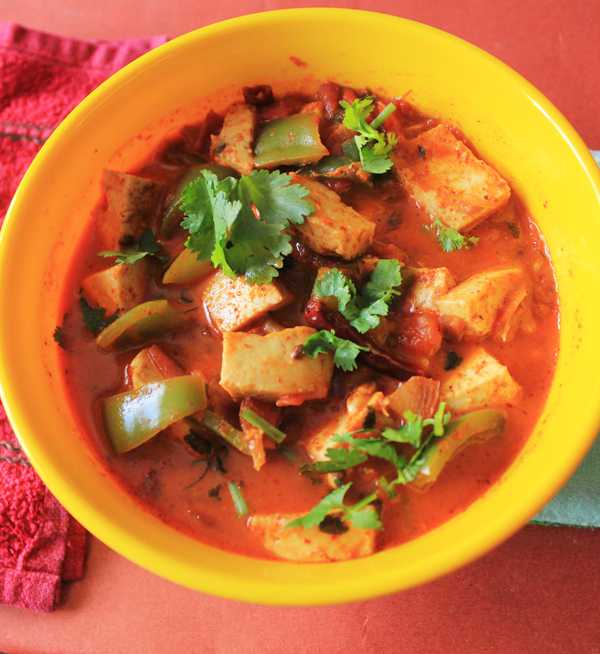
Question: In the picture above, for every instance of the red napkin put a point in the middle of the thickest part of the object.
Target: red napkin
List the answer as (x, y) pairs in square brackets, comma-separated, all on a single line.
[(42, 77)]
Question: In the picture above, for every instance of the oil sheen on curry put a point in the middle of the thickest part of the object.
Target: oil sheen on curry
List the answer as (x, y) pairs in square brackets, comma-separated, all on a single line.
[(310, 328)]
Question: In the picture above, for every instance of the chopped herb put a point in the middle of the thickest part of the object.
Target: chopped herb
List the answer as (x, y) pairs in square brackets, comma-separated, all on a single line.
[(239, 503), (422, 151), (365, 308), (344, 351), (270, 430), (360, 515), (451, 239), (452, 360), (355, 451), (373, 146), (95, 318), (59, 337), (241, 225), (215, 492), (410, 432), (147, 245)]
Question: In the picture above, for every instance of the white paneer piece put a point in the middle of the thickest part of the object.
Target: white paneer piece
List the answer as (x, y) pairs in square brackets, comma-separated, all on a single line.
[(425, 285), (471, 308), (233, 303), (130, 206), (233, 146), (118, 288), (311, 545), (350, 417), (273, 368), (480, 381), (449, 181), (334, 228)]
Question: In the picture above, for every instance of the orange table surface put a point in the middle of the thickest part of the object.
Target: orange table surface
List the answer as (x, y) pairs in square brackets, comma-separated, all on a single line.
[(538, 592)]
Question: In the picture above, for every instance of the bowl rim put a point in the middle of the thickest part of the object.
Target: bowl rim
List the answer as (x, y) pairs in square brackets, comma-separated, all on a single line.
[(102, 527)]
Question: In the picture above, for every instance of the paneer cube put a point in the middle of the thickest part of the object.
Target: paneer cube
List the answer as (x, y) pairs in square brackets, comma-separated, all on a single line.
[(311, 545), (470, 309), (233, 146), (233, 303), (425, 285), (131, 203), (449, 181), (118, 288), (350, 417), (150, 365), (334, 227), (273, 368), (480, 381)]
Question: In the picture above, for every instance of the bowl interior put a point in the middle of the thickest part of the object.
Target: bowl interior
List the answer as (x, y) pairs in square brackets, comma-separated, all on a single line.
[(512, 126)]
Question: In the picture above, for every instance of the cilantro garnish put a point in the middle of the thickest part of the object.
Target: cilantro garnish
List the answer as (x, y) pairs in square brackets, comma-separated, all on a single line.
[(373, 146), (345, 351), (355, 451), (451, 239), (95, 318), (241, 224), (147, 245), (360, 515), (364, 309)]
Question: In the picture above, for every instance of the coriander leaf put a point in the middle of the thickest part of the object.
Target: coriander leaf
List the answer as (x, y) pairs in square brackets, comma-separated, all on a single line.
[(59, 337), (450, 239), (363, 310), (332, 502), (239, 503), (373, 146), (210, 213), (126, 256), (338, 459), (345, 351), (147, 245), (410, 432), (335, 284), (241, 225), (385, 277), (95, 318)]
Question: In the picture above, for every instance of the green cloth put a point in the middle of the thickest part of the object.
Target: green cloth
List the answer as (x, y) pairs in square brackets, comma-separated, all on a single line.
[(578, 503)]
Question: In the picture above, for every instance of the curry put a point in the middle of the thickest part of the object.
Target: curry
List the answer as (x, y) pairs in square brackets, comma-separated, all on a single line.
[(310, 328)]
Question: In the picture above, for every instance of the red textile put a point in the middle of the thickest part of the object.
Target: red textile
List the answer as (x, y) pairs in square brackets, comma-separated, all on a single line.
[(41, 78)]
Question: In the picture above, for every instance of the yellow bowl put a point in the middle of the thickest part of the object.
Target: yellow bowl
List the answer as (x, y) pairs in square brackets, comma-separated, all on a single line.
[(512, 125)]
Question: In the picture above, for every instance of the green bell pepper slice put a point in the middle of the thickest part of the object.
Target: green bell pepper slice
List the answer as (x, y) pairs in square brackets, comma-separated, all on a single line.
[(289, 141), (173, 214), (134, 417), (142, 324), (186, 268), (474, 427)]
